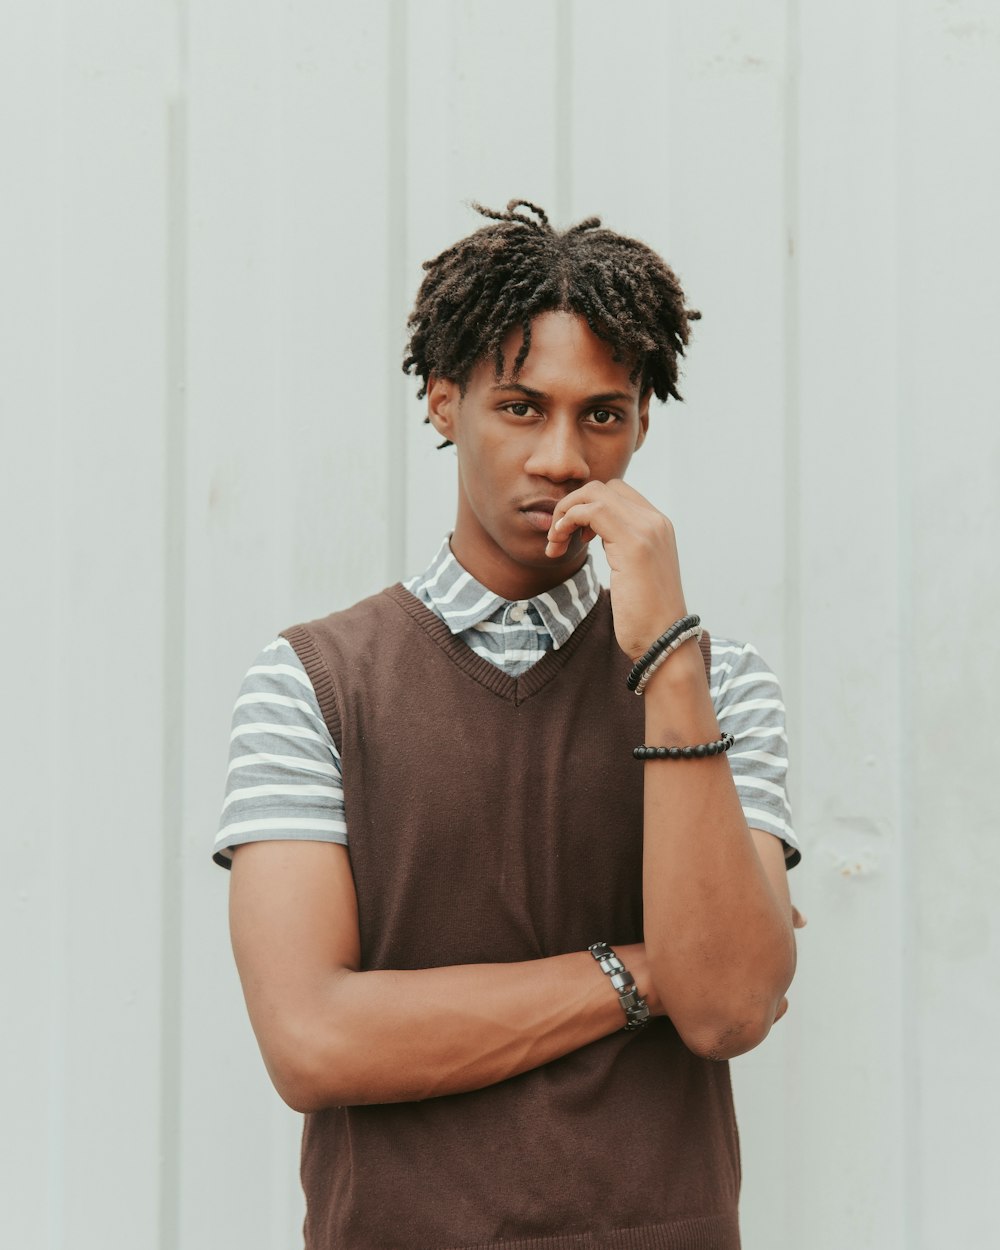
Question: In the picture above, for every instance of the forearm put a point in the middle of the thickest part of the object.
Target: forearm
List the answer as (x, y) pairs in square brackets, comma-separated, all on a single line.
[(332, 1035), (390, 1036), (719, 939)]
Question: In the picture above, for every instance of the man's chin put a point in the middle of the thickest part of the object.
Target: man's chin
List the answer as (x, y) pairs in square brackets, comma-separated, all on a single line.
[(571, 559)]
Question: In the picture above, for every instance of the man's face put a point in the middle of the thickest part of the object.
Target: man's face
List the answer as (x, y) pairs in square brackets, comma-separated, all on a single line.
[(572, 416)]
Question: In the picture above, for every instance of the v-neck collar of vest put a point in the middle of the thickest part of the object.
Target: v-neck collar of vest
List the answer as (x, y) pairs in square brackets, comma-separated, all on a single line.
[(514, 689)]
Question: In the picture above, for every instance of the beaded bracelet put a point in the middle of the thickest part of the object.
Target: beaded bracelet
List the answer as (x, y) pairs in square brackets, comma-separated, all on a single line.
[(703, 749), (694, 632), (661, 644)]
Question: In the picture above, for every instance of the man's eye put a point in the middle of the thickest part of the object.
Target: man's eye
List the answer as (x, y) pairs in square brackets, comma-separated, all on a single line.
[(519, 410), (602, 416)]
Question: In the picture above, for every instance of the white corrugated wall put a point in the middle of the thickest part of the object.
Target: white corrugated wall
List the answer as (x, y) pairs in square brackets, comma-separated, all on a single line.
[(213, 216)]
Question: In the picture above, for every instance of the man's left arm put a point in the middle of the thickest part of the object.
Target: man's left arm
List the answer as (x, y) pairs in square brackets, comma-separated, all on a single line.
[(717, 915)]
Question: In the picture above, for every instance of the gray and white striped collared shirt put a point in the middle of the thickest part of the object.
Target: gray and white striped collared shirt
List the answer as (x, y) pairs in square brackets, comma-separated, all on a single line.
[(513, 635), (285, 777)]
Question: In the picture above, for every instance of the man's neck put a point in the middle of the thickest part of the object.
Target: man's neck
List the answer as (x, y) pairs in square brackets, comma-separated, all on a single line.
[(516, 582)]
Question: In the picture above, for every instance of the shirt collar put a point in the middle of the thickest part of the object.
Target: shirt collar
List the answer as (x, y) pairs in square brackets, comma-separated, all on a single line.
[(462, 603)]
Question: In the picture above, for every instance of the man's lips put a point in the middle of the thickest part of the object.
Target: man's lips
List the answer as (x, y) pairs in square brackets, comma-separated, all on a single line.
[(538, 513)]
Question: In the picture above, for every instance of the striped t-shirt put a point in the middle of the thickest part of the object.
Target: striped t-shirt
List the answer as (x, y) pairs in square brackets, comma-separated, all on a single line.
[(285, 777)]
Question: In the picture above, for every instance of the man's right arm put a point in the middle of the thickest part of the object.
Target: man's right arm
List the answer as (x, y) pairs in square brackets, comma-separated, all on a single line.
[(332, 1035)]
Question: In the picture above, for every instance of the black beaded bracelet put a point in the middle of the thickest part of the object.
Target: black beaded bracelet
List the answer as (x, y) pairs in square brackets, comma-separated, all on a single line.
[(703, 749), (664, 641)]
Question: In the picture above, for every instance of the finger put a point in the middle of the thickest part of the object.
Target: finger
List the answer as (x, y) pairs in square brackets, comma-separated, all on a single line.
[(607, 517), (601, 494), (798, 920), (782, 1008), (590, 491), (638, 505), (559, 546), (574, 517), (577, 521)]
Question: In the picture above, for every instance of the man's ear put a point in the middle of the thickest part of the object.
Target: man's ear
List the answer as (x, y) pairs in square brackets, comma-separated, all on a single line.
[(643, 417), (443, 398)]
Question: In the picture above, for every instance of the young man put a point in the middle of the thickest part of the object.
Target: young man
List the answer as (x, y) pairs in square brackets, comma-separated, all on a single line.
[(434, 810)]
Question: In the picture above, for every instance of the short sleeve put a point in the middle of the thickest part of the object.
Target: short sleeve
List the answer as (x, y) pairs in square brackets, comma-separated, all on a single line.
[(284, 780), (748, 704)]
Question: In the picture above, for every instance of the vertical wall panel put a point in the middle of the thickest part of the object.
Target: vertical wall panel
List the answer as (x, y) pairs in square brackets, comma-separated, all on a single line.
[(211, 239), (852, 1062), (724, 95), (289, 439), (83, 392), (949, 439), (32, 949), (236, 529), (335, 373), (110, 609)]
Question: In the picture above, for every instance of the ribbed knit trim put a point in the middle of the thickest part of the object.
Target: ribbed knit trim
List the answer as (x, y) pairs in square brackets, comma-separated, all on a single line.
[(709, 1233), (705, 645), (515, 689), (319, 674)]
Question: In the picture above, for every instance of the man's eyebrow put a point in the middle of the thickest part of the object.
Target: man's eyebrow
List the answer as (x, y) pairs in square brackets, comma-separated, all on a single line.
[(522, 390), (605, 397), (608, 397)]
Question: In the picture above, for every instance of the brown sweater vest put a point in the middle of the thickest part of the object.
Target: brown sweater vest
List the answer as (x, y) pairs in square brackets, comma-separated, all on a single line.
[(494, 819)]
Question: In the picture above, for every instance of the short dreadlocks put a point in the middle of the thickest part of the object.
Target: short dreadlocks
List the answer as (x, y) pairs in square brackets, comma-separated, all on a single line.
[(503, 275)]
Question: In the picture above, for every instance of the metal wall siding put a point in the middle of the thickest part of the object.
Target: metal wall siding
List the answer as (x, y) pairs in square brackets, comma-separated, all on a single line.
[(210, 244)]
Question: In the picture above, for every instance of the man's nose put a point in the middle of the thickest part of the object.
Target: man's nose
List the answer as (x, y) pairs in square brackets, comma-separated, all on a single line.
[(558, 452)]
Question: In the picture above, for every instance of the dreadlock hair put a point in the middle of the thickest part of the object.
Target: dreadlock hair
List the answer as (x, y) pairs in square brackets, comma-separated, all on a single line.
[(503, 275)]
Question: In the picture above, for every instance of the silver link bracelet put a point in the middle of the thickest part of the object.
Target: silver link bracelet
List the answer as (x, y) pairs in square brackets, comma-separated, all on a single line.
[(633, 1004)]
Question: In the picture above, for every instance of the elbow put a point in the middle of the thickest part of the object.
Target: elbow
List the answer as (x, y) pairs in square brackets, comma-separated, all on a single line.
[(337, 1073), (309, 1076), (303, 1095), (314, 1054), (734, 1025), (720, 1040), (307, 1088), (729, 1025), (731, 1012), (301, 1085)]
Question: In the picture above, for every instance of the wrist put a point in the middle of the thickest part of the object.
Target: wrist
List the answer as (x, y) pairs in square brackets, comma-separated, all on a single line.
[(685, 663), (651, 632), (684, 670), (634, 1007), (635, 958)]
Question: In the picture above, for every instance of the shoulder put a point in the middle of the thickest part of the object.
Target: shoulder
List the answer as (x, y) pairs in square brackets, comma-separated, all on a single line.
[(347, 625), (276, 674), (372, 606), (745, 691), (277, 695), (739, 669), (340, 648), (284, 778)]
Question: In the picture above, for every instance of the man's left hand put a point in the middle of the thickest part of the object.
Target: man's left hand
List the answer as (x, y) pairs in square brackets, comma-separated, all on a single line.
[(646, 593)]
